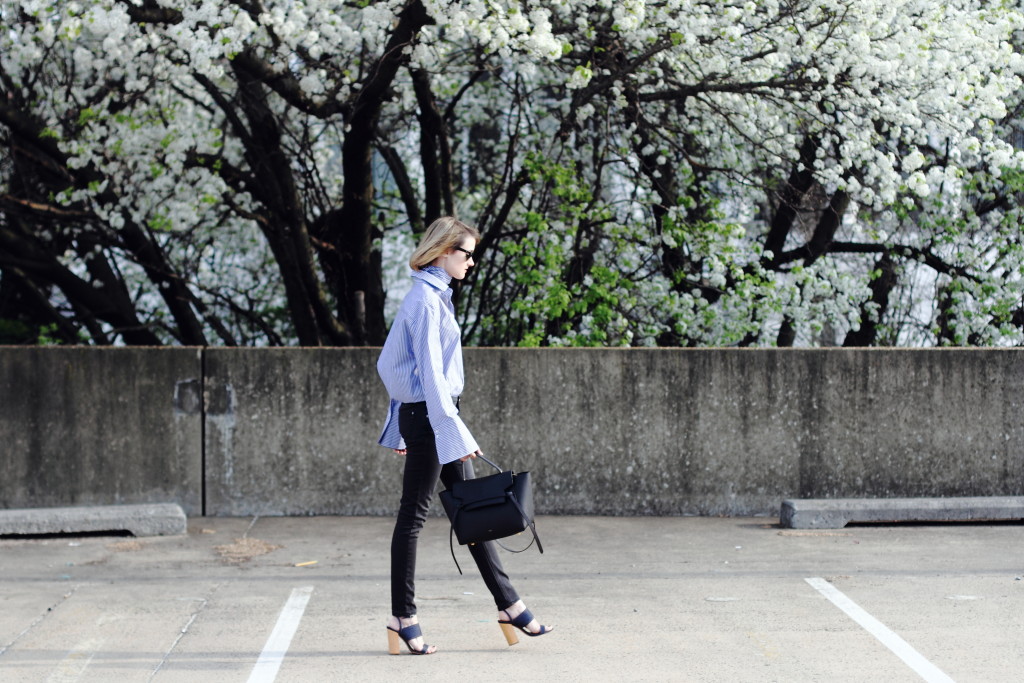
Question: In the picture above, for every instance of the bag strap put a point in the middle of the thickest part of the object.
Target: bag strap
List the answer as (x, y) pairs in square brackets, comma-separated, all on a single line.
[(533, 526), (530, 523), (451, 528), (451, 546)]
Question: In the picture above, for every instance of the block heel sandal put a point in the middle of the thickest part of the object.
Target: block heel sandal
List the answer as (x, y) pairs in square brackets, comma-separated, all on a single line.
[(521, 622), (406, 634)]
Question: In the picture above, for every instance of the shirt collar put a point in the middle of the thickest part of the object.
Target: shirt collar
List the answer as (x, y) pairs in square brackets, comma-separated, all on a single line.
[(434, 276)]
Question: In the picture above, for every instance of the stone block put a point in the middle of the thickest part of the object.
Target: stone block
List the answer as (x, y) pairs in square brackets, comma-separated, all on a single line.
[(837, 513), (164, 519)]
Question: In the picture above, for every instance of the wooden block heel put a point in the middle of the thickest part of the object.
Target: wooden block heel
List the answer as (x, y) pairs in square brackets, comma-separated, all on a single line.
[(394, 643), (510, 632)]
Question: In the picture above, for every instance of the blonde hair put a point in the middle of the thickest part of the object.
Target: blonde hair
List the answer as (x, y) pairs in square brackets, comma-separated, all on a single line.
[(443, 234)]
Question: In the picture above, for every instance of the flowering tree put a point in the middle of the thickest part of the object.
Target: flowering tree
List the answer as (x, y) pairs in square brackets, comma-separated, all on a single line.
[(677, 172)]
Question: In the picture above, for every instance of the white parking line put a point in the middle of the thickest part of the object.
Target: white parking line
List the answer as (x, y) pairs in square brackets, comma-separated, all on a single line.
[(280, 638), (901, 648)]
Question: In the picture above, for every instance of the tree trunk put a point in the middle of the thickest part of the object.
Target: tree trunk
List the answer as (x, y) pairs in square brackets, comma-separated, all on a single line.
[(791, 197), (285, 228), (435, 152), (352, 266), (880, 287)]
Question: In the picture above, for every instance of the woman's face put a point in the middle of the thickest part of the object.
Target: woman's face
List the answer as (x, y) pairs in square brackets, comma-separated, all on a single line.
[(458, 260)]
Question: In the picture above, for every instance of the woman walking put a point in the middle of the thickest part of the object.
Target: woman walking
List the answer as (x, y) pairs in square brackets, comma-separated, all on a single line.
[(421, 367)]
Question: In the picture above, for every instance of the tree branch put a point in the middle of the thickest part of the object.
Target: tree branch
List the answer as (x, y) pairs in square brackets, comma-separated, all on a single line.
[(405, 188), (435, 152), (909, 252), (287, 86), (16, 251)]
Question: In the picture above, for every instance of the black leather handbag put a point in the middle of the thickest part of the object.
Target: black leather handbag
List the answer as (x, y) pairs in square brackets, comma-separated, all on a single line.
[(489, 508)]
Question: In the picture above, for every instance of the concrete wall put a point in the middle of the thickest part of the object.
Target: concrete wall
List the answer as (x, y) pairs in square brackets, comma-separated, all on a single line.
[(605, 431), (294, 432), (668, 431), (100, 426)]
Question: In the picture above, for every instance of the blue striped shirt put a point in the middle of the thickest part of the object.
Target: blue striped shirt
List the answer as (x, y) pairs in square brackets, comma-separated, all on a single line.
[(422, 361)]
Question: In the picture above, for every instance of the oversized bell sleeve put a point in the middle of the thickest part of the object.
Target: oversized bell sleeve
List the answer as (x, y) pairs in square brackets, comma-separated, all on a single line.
[(453, 439)]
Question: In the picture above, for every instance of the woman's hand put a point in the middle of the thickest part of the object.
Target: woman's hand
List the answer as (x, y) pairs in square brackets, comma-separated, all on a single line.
[(400, 451), (470, 456)]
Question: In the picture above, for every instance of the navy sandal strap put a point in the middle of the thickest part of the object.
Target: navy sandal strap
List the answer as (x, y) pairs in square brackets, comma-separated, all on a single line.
[(410, 632), (523, 620)]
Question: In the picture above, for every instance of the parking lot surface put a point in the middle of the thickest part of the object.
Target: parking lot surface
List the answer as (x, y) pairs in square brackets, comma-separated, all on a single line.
[(631, 599)]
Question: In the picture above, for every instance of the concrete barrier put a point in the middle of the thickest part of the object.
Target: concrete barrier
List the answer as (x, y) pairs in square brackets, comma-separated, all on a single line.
[(715, 431), (294, 432), (100, 426), (605, 431)]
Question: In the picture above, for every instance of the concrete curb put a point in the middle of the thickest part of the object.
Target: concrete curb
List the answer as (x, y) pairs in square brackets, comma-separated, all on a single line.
[(162, 519), (836, 513)]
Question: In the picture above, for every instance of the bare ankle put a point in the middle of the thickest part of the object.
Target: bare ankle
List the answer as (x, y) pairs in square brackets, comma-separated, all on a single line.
[(515, 609)]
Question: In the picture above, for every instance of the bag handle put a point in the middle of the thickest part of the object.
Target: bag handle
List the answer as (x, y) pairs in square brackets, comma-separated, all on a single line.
[(489, 462)]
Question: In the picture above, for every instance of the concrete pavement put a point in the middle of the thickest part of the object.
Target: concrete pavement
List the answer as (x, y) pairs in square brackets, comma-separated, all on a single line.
[(632, 599)]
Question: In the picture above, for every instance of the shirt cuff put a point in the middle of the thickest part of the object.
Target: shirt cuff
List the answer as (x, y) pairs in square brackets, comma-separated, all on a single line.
[(390, 436), (452, 439)]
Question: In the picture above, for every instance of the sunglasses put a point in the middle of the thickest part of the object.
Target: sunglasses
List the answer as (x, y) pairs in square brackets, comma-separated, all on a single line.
[(468, 253)]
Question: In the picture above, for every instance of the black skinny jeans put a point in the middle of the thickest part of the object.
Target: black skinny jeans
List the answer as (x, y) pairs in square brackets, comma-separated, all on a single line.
[(421, 474)]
